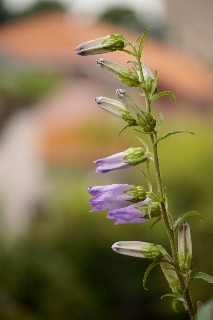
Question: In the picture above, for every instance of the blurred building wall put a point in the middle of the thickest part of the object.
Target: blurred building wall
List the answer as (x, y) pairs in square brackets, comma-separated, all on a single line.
[(192, 26)]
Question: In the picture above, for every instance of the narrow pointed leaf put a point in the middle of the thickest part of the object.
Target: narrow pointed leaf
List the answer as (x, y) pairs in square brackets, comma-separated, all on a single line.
[(136, 41), (164, 93), (204, 276), (150, 267), (173, 132), (142, 41), (185, 216)]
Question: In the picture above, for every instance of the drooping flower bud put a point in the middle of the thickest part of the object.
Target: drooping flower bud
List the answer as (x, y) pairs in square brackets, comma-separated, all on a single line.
[(101, 45), (171, 277), (116, 108), (147, 73), (130, 104), (140, 249), (148, 77), (121, 160), (184, 247), (119, 72), (110, 197)]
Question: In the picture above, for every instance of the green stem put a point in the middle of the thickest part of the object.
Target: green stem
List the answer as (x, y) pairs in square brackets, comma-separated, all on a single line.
[(167, 223)]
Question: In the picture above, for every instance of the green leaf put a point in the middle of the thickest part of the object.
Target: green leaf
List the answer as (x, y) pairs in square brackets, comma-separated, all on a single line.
[(164, 93), (204, 276), (173, 132), (185, 216), (136, 41), (142, 41), (150, 267)]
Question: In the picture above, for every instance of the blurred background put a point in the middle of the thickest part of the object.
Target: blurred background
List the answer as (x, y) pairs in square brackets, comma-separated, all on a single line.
[(55, 256)]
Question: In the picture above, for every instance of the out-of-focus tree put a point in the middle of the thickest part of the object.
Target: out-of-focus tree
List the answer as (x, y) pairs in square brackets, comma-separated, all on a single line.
[(44, 6), (4, 13), (38, 7), (128, 18)]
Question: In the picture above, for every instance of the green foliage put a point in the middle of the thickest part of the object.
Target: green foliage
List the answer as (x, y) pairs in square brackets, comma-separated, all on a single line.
[(63, 267), (126, 17), (21, 87), (204, 276)]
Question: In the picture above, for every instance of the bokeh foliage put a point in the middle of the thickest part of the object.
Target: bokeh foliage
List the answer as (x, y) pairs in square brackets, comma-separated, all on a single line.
[(63, 267)]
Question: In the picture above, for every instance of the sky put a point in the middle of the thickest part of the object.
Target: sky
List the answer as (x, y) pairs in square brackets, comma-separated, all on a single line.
[(94, 7)]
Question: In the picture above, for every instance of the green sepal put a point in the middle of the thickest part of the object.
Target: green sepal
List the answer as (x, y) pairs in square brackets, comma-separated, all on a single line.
[(176, 303), (173, 132), (115, 42), (121, 131), (164, 93), (149, 184), (143, 143), (128, 52), (155, 222), (204, 276), (185, 216), (170, 295), (150, 267)]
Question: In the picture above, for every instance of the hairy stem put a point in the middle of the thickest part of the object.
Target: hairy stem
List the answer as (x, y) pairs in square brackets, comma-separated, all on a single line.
[(167, 223)]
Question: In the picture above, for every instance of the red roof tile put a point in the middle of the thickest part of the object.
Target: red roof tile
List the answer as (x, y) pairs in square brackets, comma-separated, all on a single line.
[(51, 38)]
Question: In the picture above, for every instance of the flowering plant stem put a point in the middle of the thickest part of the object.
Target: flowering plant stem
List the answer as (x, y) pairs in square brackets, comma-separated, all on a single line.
[(170, 233), (134, 204), (167, 218)]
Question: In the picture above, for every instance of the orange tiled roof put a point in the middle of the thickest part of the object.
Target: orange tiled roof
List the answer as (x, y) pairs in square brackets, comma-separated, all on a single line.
[(51, 39)]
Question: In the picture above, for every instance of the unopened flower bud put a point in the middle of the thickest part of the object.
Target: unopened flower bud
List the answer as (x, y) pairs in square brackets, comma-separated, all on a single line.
[(140, 249), (147, 73), (122, 160), (119, 72), (130, 104), (184, 247), (171, 277), (101, 45), (116, 108), (148, 77)]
